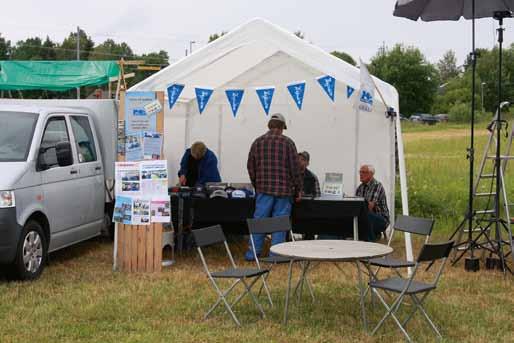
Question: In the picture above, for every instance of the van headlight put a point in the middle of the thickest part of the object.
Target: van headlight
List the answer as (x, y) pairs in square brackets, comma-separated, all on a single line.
[(7, 199)]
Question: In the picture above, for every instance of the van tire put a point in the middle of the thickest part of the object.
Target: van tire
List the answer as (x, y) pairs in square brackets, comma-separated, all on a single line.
[(33, 248)]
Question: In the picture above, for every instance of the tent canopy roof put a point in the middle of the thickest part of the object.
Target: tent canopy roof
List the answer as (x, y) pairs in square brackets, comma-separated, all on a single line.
[(248, 45)]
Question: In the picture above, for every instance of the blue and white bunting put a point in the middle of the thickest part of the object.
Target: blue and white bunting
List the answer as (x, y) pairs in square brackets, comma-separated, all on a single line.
[(234, 96), (174, 91), (328, 83), (349, 91), (202, 97), (265, 95), (297, 90)]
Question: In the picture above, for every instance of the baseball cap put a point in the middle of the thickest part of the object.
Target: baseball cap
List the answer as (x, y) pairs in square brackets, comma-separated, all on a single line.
[(279, 117), (305, 155)]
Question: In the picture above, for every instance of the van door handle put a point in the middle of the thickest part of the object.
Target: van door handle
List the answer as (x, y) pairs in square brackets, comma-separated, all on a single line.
[(73, 171), (98, 168)]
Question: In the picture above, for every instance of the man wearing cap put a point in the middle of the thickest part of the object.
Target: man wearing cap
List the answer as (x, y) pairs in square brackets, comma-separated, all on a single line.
[(198, 166), (310, 180), (275, 173)]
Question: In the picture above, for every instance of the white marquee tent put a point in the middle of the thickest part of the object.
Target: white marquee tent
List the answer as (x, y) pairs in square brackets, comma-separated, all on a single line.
[(258, 54)]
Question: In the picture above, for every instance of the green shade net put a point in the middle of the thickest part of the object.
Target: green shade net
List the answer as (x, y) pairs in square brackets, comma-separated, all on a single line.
[(55, 75)]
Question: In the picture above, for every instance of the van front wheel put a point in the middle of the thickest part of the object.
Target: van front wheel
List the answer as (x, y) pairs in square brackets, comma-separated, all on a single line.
[(32, 252)]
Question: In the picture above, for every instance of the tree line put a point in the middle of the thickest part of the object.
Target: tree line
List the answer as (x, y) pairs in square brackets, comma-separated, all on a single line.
[(424, 87)]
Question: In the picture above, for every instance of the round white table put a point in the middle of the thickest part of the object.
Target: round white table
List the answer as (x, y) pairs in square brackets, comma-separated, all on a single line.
[(329, 251)]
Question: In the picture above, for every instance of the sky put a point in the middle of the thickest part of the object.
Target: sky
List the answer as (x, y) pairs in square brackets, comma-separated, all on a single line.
[(358, 27)]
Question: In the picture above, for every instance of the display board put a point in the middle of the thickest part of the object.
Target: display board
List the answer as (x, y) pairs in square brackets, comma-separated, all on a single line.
[(142, 204)]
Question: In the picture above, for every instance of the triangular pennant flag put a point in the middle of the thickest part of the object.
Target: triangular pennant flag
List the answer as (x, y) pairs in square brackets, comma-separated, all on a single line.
[(234, 96), (202, 97), (297, 90), (349, 91), (367, 90), (328, 83), (265, 95), (174, 91)]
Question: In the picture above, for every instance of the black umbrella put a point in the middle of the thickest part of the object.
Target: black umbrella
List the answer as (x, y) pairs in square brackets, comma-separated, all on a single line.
[(433, 10)]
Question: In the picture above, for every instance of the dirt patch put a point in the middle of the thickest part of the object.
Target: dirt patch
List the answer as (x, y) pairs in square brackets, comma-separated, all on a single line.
[(443, 134)]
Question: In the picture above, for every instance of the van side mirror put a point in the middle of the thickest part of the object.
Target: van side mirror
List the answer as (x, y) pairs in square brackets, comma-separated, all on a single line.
[(64, 155)]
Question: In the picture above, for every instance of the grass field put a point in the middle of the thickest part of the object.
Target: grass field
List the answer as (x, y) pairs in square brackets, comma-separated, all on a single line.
[(79, 298)]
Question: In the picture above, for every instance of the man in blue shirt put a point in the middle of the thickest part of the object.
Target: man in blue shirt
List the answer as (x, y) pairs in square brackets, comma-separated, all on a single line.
[(198, 166)]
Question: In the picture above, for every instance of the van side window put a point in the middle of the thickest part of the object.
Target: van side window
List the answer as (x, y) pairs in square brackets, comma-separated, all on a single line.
[(55, 132), (84, 138)]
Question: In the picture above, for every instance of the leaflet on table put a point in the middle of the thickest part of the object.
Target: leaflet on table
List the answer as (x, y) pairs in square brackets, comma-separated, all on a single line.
[(152, 145), (122, 210), (154, 177), (141, 211), (160, 210), (128, 178)]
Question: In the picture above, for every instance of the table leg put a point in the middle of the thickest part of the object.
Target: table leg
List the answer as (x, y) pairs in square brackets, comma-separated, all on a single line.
[(361, 295), (180, 222), (355, 229), (286, 308), (305, 268)]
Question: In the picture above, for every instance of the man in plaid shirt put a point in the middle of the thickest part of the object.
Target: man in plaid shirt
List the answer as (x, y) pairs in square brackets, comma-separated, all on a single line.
[(374, 193), (275, 173)]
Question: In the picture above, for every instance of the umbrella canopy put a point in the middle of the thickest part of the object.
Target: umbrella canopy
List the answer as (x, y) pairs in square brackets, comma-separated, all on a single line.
[(431, 10)]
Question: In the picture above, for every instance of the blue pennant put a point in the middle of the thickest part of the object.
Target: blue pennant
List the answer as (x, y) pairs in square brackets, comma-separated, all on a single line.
[(265, 95), (297, 90), (349, 91), (328, 83), (202, 97), (174, 91), (234, 96)]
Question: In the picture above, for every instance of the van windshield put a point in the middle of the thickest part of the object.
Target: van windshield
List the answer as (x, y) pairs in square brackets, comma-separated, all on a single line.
[(17, 129)]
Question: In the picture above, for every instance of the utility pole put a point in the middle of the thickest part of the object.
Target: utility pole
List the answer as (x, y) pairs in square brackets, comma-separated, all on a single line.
[(78, 56)]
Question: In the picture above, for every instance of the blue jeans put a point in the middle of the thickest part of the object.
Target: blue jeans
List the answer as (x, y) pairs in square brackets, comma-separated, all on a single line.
[(377, 225), (269, 206)]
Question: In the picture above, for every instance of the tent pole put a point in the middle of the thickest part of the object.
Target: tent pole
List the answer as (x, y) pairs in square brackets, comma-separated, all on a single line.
[(403, 187), (220, 131)]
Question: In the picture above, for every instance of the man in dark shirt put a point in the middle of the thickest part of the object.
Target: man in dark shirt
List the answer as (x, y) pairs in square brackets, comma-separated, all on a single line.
[(310, 180), (275, 173), (373, 192), (198, 166)]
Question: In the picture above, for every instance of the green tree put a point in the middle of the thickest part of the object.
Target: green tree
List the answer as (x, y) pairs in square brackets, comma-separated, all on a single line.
[(68, 48), (159, 58), (447, 66), (215, 36), (49, 51), (344, 56), (28, 49), (5, 48), (409, 72), (110, 50)]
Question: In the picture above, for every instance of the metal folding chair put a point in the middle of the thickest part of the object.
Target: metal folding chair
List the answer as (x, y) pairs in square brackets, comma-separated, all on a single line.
[(408, 224), (412, 287), (247, 276), (267, 226)]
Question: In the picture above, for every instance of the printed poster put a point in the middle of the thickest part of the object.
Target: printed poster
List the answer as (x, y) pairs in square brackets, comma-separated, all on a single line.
[(152, 145), (141, 211), (160, 210), (154, 178), (127, 178), (136, 116), (134, 147), (122, 210)]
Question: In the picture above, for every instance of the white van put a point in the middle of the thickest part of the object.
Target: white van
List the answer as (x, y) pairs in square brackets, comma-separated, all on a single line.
[(56, 176)]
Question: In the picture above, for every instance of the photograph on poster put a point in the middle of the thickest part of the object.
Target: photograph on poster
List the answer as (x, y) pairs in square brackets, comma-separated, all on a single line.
[(152, 145), (122, 210), (128, 177), (141, 211), (160, 210), (154, 177)]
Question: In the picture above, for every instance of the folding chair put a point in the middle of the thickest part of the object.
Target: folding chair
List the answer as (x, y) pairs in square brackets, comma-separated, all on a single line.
[(411, 287), (414, 225), (267, 226), (247, 276)]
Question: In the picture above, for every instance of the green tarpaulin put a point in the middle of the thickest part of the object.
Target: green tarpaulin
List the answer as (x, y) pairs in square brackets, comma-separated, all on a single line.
[(55, 75)]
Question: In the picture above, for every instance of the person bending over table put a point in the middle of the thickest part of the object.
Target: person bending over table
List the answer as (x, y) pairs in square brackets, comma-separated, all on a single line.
[(198, 166), (310, 180), (373, 192), (275, 173)]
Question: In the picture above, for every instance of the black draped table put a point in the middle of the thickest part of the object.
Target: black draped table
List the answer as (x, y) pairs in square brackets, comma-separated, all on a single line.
[(343, 218)]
